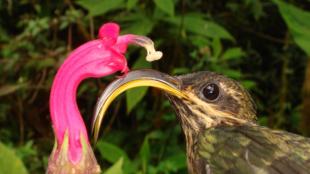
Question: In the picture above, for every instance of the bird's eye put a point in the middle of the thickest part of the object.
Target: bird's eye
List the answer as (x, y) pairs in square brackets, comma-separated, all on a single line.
[(211, 91)]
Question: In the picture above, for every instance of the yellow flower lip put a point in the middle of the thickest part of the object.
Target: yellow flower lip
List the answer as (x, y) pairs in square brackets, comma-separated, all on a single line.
[(137, 78)]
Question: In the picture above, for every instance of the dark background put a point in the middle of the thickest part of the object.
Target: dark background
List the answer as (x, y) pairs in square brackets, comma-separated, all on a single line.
[(264, 44)]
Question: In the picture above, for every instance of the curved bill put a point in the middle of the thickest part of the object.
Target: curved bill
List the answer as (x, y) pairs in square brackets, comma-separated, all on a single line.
[(133, 79)]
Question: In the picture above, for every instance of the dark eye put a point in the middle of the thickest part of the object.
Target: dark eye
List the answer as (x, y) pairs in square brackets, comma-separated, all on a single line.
[(211, 91)]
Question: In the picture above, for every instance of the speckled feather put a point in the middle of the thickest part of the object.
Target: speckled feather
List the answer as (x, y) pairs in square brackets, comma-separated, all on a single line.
[(251, 149)]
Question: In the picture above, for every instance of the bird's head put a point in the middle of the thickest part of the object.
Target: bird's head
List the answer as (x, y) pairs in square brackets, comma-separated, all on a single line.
[(201, 100), (211, 100)]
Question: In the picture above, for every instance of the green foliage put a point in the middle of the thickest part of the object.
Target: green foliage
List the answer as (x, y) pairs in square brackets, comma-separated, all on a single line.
[(131, 4), (111, 152), (116, 168), (166, 6), (260, 43), (10, 162), (100, 7), (298, 22), (233, 53), (195, 23)]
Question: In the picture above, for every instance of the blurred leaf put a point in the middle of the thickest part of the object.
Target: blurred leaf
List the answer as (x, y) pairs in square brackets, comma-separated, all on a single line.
[(157, 134), (263, 121), (216, 47), (100, 7), (255, 6), (235, 74), (174, 163), (134, 96), (181, 70), (257, 9), (36, 26), (298, 22), (136, 23), (40, 64), (131, 4), (233, 53), (141, 27), (178, 161), (145, 153), (71, 16), (197, 24), (110, 152), (248, 84), (3, 35), (295, 117), (9, 162), (26, 150), (48, 62), (116, 168), (200, 41), (8, 89), (166, 6)]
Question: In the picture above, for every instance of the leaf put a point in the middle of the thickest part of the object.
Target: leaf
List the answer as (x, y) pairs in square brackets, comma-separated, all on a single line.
[(174, 163), (235, 74), (100, 7), (8, 89), (199, 41), (233, 53), (166, 6), (248, 84), (181, 70), (48, 62), (216, 47), (298, 23), (134, 96), (131, 4), (178, 161), (157, 134), (195, 23), (145, 153), (111, 152), (136, 23), (257, 9), (263, 121), (140, 26), (116, 168), (141, 63), (9, 161)]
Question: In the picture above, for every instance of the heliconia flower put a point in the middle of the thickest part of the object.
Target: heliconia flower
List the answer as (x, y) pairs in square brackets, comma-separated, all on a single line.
[(72, 152)]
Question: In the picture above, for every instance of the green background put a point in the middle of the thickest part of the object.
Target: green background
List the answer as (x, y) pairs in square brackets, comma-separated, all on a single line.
[(264, 44)]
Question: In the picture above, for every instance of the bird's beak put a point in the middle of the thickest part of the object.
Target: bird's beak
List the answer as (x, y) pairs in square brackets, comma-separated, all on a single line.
[(133, 79)]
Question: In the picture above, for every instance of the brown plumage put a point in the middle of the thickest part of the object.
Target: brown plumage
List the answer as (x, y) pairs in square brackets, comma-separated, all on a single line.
[(222, 135)]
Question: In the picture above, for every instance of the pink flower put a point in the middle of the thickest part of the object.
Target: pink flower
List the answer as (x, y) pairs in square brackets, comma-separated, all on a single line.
[(72, 152)]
